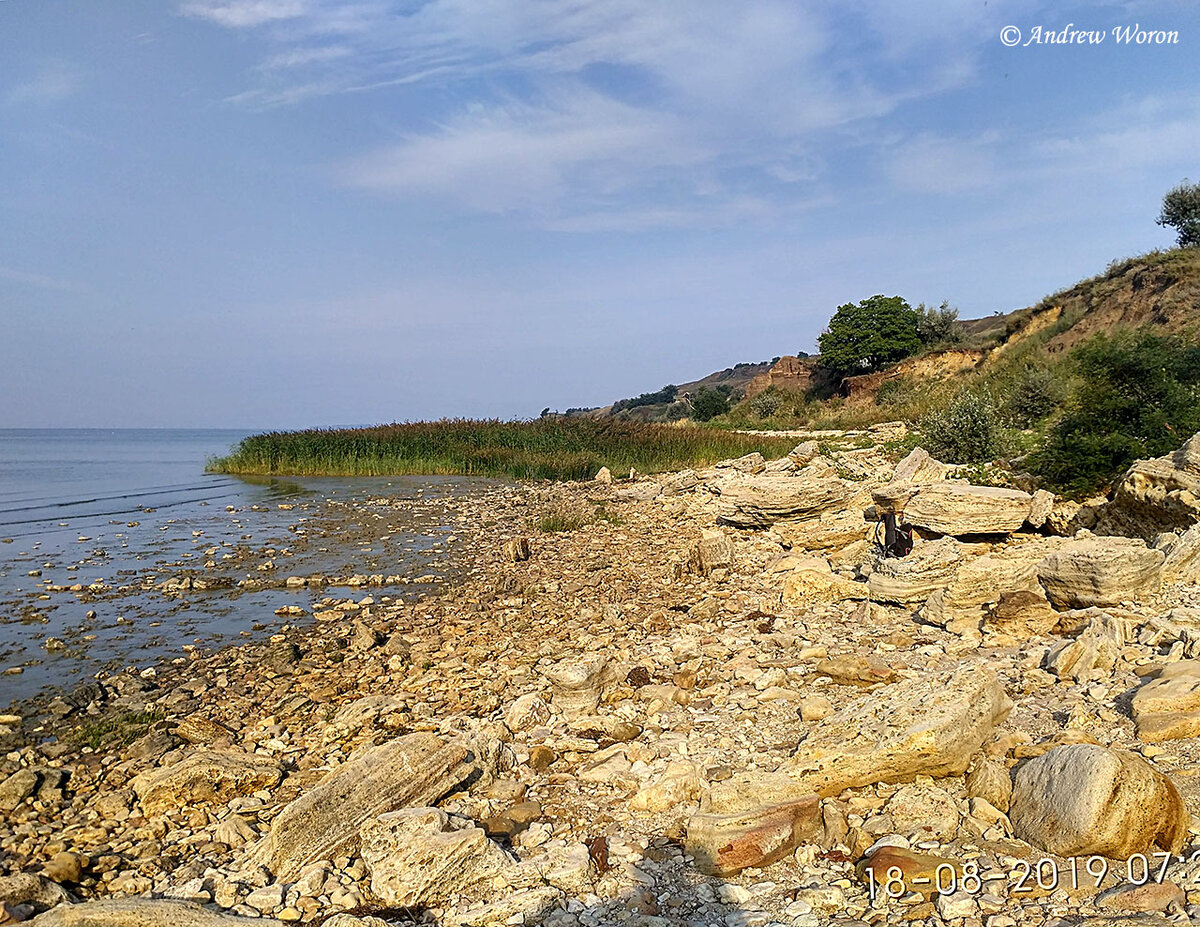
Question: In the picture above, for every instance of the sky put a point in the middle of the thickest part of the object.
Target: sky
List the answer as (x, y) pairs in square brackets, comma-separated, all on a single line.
[(292, 213)]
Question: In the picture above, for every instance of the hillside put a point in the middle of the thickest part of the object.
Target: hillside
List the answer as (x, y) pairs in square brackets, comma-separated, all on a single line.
[(1159, 291)]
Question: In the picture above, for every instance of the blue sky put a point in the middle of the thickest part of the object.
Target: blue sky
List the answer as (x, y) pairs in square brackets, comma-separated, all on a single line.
[(277, 213)]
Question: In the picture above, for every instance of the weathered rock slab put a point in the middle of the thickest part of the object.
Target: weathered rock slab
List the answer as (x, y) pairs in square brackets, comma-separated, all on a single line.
[(1100, 571), (727, 844), (760, 501), (143, 912), (931, 726), (416, 769), (960, 508), (206, 777)]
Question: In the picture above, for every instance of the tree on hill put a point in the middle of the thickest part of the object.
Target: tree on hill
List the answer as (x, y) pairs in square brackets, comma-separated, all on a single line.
[(1181, 211), (940, 325), (709, 402), (869, 335)]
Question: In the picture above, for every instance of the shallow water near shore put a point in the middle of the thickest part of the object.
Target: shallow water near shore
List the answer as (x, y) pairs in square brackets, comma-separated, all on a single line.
[(94, 522)]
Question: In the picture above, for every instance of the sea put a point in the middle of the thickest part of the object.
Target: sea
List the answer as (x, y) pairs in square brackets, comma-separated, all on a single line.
[(92, 520)]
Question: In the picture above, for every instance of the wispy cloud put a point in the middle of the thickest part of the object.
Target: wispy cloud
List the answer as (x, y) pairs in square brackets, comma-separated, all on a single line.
[(574, 111), (52, 81), (41, 281), (243, 14)]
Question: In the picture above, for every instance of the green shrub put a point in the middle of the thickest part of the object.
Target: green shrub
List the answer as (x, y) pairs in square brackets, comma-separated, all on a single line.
[(1032, 394), (767, 403), (1137, 396), (709, 403), (968, 430), (895, 392), (1181, 211), (940, 325)]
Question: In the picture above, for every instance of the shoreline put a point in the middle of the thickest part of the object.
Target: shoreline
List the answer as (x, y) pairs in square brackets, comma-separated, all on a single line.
[(615, 684)]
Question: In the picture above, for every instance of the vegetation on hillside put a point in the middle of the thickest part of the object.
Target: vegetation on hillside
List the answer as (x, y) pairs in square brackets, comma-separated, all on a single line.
[(1181, 211), (548, 448)]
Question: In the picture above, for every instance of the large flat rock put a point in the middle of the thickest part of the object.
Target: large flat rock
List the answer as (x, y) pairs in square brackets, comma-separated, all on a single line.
[(903, 580), (1159, 494), (324, 823), (1100, 571), (960, 508), (931, 726), (760, 501), (205, 777)]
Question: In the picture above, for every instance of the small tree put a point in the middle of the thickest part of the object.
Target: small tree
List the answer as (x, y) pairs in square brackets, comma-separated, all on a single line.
[(871, 334), (940, 325), (709, 403), (1181, 211)]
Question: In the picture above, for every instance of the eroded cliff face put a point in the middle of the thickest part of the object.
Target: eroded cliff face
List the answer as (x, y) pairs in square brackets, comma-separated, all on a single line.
[(793, 374)]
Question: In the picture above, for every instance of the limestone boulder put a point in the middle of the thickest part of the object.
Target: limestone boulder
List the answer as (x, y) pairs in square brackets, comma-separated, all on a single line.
[(725, 844), (833, 529), (676, 484), (1093, 652), (929, 726), (1019, 616), (579, 683), (958, 509), (417, 858), (206, 777), (1100, 571), (817, 584), (713, 551), (1168, 706), (1182, 564), (919, 467), (1159, 494), (1040, 507), (1084, 799), (143, 912), (323, 823), (905, 580), (761, 501)]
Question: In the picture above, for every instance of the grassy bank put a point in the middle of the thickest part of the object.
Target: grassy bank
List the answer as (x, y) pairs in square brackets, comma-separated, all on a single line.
[(540, 449)]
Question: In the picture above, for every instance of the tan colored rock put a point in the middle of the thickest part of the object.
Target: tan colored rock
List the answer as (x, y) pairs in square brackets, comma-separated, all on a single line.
[(856, 671), (604, 476), (1040, 507), (1162, 493), (1153, 896), (713, 551), (676, 484), (1093, 652), (416, 858), (815, 708), (832, 529), (527, 711), (923, 812), (323, 823), (516, 549), (1019, 616), (918, 468), (929, 726), (196, 729), (989, 779), (143, 912), (905, 580), (578, 683), (1182, 564), (761, 501), (960, 508), (1168, 707), (920, 872), (679, 786), (205, 777), (1100, 571), (727, 844), (1084, 799), (809, 587)]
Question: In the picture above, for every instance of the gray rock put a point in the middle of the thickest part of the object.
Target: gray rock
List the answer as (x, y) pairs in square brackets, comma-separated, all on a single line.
[(16, 788)]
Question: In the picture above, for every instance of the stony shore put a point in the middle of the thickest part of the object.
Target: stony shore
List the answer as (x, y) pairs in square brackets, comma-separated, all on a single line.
[(711, 702)]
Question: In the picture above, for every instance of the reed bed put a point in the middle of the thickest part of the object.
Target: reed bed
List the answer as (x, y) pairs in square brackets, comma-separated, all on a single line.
[(550, 449)]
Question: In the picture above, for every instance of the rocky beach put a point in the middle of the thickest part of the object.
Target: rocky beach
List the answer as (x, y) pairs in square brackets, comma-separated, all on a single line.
[(713, 700)]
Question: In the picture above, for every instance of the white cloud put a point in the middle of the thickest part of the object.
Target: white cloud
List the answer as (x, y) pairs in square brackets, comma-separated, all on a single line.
[(244, 14), (54, 80)]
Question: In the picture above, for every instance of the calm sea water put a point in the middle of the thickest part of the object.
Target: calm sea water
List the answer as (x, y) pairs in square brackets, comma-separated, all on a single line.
[(130, 507)]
